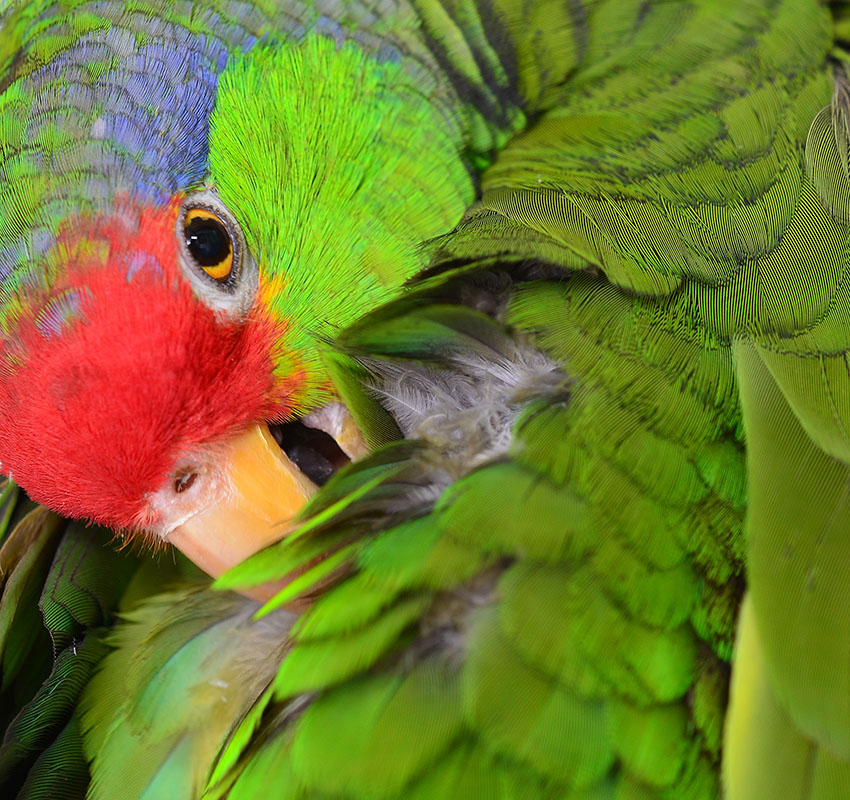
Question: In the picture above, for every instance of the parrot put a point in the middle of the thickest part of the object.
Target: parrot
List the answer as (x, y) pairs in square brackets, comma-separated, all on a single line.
[(424, 399)]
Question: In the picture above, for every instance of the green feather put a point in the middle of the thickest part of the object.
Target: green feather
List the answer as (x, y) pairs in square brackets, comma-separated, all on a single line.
[(767, 756), (357, 174), (40, 720), (797, 552), (525, 714), (86, 578), (26, 558), (410, 721), (60, 772), (185, 669)]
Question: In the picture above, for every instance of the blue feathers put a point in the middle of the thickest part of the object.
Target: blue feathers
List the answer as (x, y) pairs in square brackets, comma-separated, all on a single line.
[(149, 111)]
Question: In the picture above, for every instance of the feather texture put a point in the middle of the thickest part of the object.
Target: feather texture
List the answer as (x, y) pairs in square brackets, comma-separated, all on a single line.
[(628, 346)]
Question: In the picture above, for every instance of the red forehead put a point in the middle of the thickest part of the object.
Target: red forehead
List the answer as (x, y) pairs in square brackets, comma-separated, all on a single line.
[(98, 409)]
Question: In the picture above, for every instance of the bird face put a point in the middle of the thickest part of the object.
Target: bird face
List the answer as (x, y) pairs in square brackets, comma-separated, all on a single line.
[(142, 375)]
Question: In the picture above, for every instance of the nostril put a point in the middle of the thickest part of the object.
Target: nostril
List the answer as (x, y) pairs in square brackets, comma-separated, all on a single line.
[(184, 481)]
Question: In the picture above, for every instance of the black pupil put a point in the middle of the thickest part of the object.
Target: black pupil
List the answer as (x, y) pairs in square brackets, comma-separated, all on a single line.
[(207, 241)]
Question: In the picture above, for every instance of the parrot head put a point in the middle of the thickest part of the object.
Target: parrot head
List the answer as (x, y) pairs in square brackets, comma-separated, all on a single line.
[(144, 370), (164, 314)]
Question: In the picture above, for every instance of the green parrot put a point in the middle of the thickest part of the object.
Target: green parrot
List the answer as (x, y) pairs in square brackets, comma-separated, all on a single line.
[(490, 356)]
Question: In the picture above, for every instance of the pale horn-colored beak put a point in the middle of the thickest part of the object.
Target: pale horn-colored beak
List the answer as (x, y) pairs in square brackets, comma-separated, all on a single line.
[(266, 490), (247, 496)]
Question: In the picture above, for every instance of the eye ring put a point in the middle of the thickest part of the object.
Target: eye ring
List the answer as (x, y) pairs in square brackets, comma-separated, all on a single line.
[(210, 241), (233, 290)]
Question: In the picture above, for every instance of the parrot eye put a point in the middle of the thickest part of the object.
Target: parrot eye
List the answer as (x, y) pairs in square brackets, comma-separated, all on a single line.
[(208, 243), (214, 255)]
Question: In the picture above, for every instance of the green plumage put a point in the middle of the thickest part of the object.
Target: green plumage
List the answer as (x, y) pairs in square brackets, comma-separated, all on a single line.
[(357, 175), (572, 650), (623, 376)]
